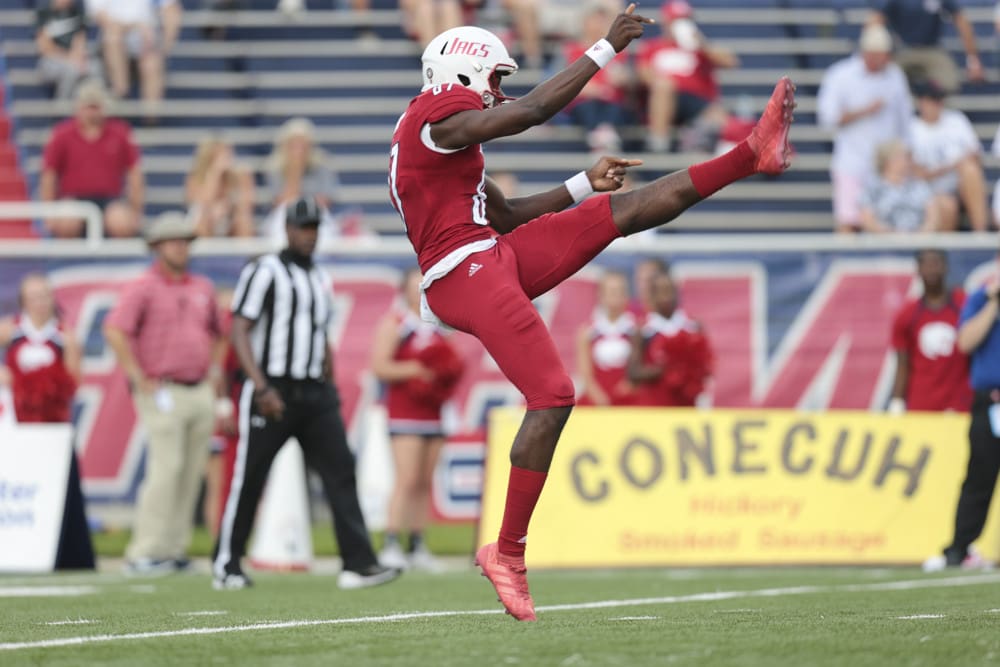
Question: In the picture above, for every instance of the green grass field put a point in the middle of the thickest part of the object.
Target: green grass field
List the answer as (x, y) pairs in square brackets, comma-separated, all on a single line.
[(789, 616)]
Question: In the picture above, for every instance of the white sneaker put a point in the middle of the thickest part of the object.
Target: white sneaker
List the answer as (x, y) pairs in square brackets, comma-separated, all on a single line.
[(935, 564), (232, 581), (372, 575), (422, 560), (392, 556)]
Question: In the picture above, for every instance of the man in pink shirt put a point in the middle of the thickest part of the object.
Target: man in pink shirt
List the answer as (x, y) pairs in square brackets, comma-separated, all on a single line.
[(166, 334), (91, 157)]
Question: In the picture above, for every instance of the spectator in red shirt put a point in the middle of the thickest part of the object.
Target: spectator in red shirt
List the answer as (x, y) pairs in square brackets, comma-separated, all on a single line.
[(92, 157), (931, 373), (599, 108), (165, 333), (679, 72)]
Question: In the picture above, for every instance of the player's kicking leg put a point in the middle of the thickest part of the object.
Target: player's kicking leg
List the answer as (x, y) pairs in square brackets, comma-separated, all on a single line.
[(766, 151), (546, 253)]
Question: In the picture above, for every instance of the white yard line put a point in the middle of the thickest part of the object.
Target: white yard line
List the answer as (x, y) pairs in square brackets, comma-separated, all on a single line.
[(79, 621), (916, 617), (64, 579), (208, 612), (44, 591), (912, 584), (635, 618)]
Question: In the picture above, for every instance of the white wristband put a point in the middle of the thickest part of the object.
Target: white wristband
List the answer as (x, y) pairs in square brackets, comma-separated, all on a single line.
[(601, 53), (579, 187), (223, 408)]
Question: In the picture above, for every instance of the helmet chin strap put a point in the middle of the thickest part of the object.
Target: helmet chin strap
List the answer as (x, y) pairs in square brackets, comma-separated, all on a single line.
[(495, 99)]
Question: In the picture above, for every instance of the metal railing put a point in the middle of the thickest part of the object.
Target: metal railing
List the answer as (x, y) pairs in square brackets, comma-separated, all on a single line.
[(89, 211)]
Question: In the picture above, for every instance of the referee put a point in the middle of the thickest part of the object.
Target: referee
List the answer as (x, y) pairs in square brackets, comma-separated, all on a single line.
[(281, 311)]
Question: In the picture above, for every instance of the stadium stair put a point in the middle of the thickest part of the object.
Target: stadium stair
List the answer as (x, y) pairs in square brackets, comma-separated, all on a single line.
[(13, 185)]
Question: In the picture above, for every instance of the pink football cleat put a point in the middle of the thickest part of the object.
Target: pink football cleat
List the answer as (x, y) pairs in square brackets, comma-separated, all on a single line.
[(769, 139), (510, 579)]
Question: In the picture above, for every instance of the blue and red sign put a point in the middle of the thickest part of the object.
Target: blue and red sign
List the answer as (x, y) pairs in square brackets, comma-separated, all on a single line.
[(808, 330)]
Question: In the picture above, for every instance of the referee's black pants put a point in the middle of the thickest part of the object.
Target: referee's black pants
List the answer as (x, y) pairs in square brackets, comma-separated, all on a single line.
[(312, 416), (980, 480)]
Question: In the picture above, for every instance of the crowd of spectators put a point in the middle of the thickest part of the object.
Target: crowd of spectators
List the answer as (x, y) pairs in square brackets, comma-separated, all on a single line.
[(894, 89), (903, 160)]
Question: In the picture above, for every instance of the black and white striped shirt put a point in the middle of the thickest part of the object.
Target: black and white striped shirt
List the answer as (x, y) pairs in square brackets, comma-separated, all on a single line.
[(290, 304)]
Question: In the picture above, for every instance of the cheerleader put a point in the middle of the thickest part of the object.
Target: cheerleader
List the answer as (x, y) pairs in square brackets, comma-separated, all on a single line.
[(671, 361), (604, 345), (43, 360), (420, 369)]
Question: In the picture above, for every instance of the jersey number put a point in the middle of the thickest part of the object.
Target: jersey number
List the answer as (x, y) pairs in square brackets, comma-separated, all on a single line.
[(397, 203)]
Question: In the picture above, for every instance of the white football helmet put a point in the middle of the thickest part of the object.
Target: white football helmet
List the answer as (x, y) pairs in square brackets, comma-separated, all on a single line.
[(471, 57)]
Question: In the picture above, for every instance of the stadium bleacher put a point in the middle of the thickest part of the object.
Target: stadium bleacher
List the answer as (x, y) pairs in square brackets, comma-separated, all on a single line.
[(269, 69)]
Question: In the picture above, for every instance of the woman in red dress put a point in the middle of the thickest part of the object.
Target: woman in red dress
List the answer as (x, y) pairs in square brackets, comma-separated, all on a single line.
[(603, 346), (420, 369), (43, 360)]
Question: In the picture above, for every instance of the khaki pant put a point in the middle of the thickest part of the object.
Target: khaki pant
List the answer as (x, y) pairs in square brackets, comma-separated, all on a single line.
[(930, 62), (179, 421)]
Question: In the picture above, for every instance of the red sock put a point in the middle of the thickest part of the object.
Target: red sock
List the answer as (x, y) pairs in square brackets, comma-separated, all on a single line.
[(523, 489), (710, 177)]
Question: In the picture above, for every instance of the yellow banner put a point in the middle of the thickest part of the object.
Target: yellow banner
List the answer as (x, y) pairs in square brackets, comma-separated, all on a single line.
[(722, 487)]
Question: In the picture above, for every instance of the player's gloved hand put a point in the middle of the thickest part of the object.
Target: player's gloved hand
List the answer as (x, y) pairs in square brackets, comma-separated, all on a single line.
[(897, 406), (608, 174), (627, 26)]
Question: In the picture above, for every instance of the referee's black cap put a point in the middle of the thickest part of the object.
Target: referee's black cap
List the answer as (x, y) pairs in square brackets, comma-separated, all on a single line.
[(303, 212)]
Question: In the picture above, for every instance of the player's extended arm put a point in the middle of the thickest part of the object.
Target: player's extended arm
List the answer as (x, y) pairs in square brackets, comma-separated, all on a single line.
[(542, 103), (505, 215)]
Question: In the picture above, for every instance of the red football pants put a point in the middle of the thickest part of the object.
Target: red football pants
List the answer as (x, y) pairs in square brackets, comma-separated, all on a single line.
[(489, 295)]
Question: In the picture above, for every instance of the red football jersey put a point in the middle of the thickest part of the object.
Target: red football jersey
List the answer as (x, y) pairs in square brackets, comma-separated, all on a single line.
[(939, 372), (692, 71), (440, 194)]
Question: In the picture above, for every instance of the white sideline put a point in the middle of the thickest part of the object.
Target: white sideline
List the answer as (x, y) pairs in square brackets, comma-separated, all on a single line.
[(911, 584), (45, 591)]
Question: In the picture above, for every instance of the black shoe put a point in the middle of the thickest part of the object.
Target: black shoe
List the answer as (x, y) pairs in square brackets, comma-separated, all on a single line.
[(373, 575), (182, 564)]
